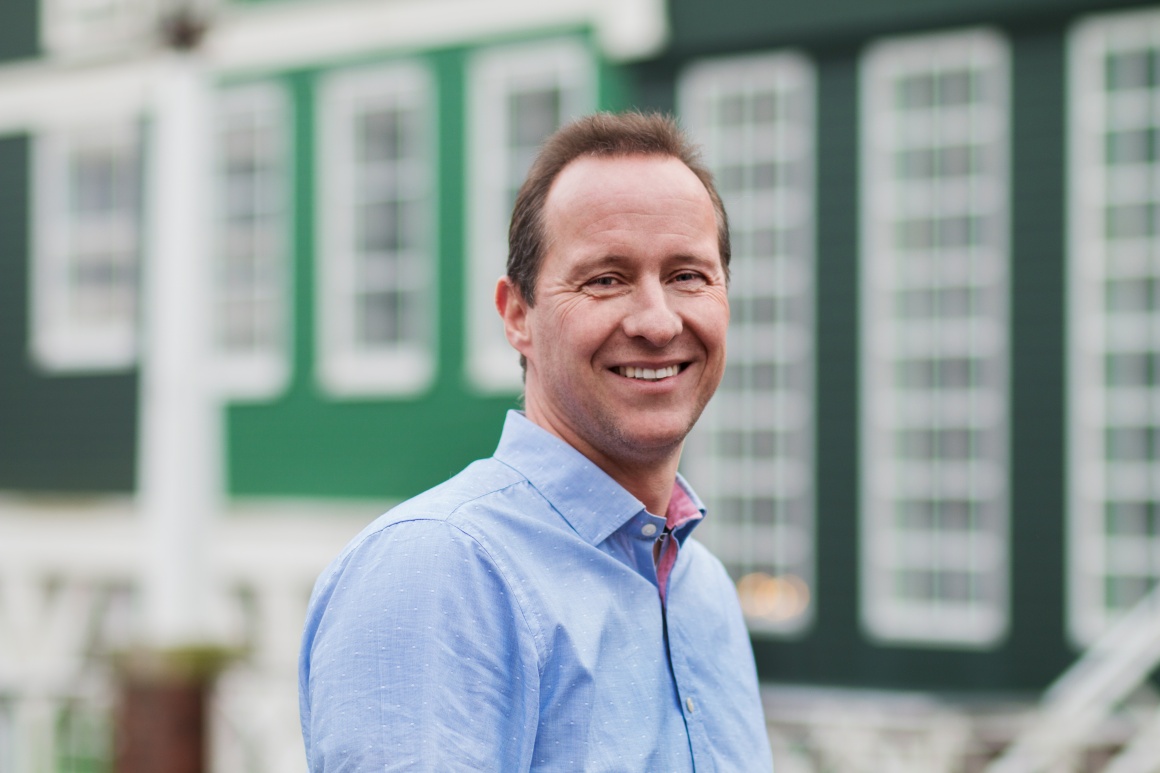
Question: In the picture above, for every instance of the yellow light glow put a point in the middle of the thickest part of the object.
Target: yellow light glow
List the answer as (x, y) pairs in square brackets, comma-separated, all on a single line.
[(773, 598)]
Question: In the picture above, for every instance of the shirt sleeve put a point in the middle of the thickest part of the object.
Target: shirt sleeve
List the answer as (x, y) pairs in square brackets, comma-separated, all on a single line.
[(417, 656)]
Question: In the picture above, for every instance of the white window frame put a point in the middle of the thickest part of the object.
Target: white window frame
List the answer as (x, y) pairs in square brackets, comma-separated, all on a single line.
[(1096, 556), (494, 75), (71, 28), (974, 556), (344, 368), (772, 561), (261, 370), (60, 342)]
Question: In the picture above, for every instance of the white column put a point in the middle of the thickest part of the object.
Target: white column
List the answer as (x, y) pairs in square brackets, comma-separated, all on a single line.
[(34, 734), (179, 453)]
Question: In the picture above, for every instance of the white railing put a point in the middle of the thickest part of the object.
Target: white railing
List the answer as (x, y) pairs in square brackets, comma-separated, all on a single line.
[(70, 597), (1074, 708), (860, 731)]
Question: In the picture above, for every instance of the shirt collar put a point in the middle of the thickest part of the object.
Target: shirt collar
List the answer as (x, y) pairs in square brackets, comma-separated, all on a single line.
[(685, 510), (592, 503)]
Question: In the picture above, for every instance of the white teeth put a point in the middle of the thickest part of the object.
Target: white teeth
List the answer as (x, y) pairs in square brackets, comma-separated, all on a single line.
[(648, 374)]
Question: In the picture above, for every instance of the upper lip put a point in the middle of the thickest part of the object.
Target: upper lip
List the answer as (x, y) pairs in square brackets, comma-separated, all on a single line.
[(651, 365)]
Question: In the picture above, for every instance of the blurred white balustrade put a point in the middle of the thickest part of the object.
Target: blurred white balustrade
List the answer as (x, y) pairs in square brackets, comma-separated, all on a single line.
[(71, 597)]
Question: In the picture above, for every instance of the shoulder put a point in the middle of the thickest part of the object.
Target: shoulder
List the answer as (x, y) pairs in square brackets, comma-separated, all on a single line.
[(432, 512), (450, 537), (416, 567), (473, 485)]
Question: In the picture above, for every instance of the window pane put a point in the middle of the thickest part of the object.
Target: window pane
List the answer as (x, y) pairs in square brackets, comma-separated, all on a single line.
[(1114, 348), (376, 305), (935, 332), (519, 94), (751, 453), (251, 273)]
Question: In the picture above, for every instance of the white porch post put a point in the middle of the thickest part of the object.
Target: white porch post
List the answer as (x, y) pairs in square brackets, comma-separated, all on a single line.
[(179, 474)]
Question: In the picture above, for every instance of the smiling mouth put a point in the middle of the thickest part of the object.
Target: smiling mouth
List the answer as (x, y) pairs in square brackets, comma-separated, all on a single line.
[(648, 374)]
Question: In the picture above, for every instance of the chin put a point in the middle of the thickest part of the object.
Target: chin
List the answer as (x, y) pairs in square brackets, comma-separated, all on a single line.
[(650, 443)]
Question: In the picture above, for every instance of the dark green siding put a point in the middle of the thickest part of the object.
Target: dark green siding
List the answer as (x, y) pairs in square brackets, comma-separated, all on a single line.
[(737, 24), (57, 433), (18, 29), (1038, 417), (836, 592)]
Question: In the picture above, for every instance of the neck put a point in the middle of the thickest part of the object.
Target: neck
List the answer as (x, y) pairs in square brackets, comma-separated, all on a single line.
[(646, 474)]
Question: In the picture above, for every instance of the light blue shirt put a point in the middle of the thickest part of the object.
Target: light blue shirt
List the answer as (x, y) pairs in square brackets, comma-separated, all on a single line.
[(509, 620)]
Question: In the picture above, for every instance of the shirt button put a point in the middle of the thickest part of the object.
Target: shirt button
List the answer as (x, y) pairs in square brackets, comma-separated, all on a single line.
[(689, 702), (649, 529)]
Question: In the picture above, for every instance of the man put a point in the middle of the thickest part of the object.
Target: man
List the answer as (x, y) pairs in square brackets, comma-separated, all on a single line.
[(546, 609)]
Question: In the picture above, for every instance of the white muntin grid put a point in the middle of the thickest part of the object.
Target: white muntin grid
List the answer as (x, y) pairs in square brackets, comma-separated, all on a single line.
[(934, 275), (376, 257), (87, 245), (1113, 318), (252, 278), (519, 94), (751, 454)]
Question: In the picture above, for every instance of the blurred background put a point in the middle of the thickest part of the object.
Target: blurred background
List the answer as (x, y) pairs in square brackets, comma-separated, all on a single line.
[(247, 252)]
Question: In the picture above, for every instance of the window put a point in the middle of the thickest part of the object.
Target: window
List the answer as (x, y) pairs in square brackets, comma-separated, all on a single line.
[(376, 259), (519, 95), (935, 339), (252, 278), (751, 455), (87, 248), (1114, 319)]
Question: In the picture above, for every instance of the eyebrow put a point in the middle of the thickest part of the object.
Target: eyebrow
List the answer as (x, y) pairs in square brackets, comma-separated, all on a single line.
[(616, 260)]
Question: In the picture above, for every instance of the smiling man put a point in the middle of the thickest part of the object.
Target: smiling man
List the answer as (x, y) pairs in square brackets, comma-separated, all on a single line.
[(547, 609)]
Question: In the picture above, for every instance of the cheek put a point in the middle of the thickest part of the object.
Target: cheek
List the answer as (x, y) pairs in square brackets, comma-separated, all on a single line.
[(585, 327), (711, 323)]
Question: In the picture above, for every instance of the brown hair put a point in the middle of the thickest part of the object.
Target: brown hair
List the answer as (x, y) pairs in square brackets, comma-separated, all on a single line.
[(604, 135)]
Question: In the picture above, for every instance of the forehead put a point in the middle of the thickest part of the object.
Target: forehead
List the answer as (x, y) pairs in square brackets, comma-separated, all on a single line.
[(594, 189)]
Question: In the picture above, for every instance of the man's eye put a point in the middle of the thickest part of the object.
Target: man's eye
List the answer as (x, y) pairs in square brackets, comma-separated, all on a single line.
[(688, 276), (603, 281)]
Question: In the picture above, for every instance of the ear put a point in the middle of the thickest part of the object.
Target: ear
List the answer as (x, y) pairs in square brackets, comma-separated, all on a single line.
[(513, 309)]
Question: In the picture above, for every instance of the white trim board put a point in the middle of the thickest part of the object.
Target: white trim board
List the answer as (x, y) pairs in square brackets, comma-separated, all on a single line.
[(295, 35), (285, 36)]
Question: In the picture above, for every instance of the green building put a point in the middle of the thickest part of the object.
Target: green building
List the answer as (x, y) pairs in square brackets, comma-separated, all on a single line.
[(934, 466), (247, 251)]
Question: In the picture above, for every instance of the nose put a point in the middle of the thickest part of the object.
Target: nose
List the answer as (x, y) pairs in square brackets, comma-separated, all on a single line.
[(652, 316)]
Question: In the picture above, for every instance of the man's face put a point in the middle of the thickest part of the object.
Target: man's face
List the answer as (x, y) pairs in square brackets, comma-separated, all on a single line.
[(626, 341)]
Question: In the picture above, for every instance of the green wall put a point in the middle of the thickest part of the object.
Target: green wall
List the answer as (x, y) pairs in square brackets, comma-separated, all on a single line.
[(700, 26), (836, 651), (57, 433), (307, 443), (19, 29)]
